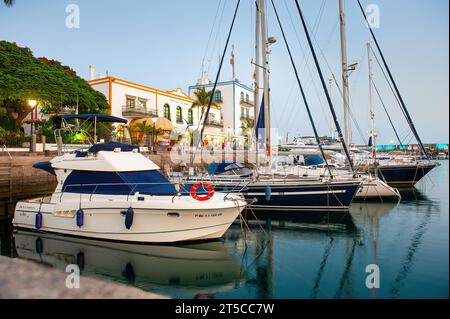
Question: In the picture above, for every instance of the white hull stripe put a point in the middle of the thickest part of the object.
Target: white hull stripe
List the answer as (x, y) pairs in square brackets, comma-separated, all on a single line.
[(298, 193)]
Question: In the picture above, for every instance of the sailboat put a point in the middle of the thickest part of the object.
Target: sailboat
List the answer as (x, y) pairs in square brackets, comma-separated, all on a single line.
[(264, 189)]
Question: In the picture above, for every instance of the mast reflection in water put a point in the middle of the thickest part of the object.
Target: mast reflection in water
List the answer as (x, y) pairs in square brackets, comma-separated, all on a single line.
[(279, 255)]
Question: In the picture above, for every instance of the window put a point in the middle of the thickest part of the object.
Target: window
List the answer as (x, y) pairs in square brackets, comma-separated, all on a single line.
[(131, 101), (120, 183), (247, 113), (191, 116), (179, 115), (142, 103), (218, 96), (242, 96), (247, 98), (242, 112), (167, 111)]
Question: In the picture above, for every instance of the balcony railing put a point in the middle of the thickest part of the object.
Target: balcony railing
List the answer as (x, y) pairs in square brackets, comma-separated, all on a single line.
[(216, 123), (246, 117), (247, 102), (136, 111)]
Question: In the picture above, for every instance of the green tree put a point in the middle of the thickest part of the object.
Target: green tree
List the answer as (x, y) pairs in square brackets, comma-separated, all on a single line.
[(53, 85), (202, 101)]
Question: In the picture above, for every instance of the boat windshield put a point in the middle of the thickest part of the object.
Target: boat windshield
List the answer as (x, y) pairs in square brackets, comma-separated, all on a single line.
[(150, 182)]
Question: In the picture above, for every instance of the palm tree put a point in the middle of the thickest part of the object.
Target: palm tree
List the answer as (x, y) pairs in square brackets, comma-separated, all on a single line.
[(202, 100), (8, 3), (144, 129), (247, 126)]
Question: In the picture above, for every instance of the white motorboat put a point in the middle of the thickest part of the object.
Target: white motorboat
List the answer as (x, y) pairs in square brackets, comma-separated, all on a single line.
[(113, 192)]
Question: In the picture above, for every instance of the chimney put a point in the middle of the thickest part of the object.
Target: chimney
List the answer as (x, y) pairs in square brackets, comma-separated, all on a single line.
[(91, 72)]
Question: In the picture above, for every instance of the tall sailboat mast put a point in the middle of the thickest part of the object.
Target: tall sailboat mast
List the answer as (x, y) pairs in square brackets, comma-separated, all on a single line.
[(345, 90), (265, 64), (372, 114), (256, 73)]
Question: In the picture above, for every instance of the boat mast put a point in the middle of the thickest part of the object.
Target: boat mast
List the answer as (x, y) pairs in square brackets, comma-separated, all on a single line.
[(256, 74), (372, 114), (265, 64), (345, 91)]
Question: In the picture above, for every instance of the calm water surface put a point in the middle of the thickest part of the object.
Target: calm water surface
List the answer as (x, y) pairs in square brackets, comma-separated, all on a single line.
[(305, 255)]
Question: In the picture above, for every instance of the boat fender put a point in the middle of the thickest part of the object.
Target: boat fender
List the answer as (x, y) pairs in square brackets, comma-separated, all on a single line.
[(38, 220), (128, 273), (39, 245), (80, 217), (268, 192), (80, 260), (129, 218)]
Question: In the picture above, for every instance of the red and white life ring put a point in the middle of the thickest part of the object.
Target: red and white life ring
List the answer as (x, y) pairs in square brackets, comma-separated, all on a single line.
[(204, 185)]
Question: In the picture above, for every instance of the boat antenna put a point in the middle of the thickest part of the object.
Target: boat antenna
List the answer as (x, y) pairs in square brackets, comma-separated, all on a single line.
[(218, 73), (402, 103), (324, 86), (301, 90)]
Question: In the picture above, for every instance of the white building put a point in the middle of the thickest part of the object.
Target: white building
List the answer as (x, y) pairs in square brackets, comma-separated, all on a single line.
[(236, 101)]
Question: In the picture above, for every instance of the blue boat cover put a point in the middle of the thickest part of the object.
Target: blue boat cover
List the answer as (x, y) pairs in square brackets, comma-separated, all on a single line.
[(224, 166), (100, 117), (311, 160), (45, 166), (110, 146)]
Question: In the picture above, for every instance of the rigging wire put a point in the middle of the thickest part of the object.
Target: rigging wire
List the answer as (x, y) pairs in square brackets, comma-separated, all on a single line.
[(403, 106), (219, 27), (301, 90), (387, 113), (305, 65), (218, 72), (209, 38), (330, 104)]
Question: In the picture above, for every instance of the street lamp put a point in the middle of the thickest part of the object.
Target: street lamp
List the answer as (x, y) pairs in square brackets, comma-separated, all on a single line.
[(32, 104), (154, 119)]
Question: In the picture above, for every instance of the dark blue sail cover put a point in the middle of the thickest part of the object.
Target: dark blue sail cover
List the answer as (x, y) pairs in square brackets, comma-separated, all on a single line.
[(260, 123), (110, 146), (118, 183)]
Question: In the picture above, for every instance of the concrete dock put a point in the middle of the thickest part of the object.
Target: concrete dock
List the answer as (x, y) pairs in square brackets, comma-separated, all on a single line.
[(20, 278)]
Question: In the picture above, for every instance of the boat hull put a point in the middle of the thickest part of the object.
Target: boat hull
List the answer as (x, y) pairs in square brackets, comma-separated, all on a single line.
[(377, 189), (106, 220), (307, 196), (404, 175)]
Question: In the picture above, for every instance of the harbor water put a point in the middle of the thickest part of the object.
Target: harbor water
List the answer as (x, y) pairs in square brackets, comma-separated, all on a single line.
[(278, 255)]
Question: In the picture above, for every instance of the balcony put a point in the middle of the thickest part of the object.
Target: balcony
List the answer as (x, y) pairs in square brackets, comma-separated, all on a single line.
[(214, 123), (247, 102), (138, 112), (246, 117)]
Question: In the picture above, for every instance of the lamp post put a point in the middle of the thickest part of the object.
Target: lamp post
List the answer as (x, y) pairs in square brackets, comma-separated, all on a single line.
[(32, 104), (154, 134)]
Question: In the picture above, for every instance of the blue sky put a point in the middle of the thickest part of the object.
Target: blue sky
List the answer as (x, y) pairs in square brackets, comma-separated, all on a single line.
[(163, 44)]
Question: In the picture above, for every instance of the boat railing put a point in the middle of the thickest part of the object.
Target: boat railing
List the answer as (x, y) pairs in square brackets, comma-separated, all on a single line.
[(130, 189)]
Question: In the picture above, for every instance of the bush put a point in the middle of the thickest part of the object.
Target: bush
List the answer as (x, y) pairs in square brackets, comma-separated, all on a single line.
[(11, 138)]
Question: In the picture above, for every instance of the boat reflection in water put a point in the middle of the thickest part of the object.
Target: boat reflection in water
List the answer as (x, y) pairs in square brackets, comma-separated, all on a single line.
[(192, 268)]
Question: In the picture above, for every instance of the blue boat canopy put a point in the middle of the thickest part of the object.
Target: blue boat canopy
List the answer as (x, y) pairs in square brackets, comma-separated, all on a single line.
[(100, 117), (219, 168), (311, 160), (110, 146), (45, 166)]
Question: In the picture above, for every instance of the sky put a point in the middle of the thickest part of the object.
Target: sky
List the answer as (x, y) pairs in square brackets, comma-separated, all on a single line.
[(164, 44)]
